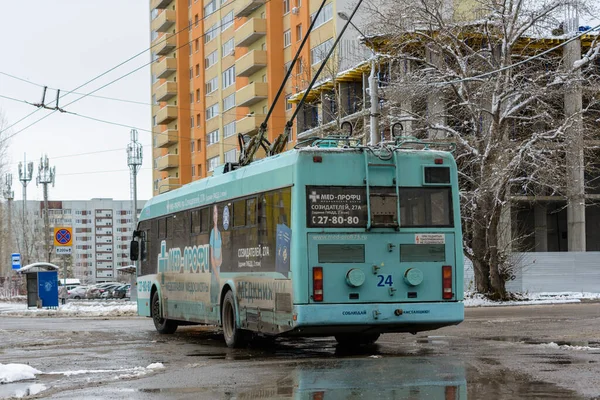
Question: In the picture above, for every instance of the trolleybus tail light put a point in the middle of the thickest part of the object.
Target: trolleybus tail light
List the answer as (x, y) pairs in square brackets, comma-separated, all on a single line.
[(447, 282), (439, 160), (318, 283), (317, 159)]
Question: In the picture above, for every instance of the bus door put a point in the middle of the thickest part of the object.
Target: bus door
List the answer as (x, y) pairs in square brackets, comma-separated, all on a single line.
[(376, 267)]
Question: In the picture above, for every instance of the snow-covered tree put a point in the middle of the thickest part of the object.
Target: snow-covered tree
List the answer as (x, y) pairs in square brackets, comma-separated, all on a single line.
[(475, 73)]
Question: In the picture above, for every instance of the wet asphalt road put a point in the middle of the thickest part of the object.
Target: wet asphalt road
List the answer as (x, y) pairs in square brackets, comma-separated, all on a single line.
[(497, 353)]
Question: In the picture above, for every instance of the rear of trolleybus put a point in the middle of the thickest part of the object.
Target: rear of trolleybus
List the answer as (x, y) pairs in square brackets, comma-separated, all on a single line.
[(384, 243)]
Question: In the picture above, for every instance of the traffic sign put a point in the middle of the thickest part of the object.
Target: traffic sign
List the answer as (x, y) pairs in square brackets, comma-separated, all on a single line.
[(16, 260), (63, 237), (63, 250)]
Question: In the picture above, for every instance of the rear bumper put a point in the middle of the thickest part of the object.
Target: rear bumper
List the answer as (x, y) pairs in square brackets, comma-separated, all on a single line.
[(321, 319)]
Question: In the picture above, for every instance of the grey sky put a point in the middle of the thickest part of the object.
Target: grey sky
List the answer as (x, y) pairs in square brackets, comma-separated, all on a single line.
[(62, 44)]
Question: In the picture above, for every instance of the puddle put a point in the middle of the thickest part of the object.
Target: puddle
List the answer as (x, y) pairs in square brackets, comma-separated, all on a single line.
[(20, 389)]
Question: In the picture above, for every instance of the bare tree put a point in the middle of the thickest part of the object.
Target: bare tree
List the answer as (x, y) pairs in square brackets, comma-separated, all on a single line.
[(466, 83)]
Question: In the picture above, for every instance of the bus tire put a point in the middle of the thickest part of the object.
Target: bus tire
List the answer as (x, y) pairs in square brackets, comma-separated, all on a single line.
[(350, 339), (234, 336), (162, 325)]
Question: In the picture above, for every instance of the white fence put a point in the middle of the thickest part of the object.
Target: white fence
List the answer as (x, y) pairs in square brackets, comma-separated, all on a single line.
[(550, 272)]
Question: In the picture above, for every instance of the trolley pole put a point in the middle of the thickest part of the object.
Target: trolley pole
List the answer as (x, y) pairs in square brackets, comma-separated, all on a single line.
[(25, 174), (46, 176)]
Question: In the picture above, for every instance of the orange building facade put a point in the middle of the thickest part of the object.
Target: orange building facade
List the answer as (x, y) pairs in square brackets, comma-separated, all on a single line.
[(216, 70)]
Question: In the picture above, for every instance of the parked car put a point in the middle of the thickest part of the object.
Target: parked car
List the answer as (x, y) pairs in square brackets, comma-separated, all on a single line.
[(96, 291), (121, 292), (77, 292)]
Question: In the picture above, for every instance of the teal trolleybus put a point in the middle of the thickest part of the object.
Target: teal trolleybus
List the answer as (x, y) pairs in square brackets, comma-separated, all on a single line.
[(321, 240)]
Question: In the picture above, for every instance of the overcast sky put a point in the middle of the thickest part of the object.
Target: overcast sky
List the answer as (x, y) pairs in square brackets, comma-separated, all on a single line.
[(62, 44)]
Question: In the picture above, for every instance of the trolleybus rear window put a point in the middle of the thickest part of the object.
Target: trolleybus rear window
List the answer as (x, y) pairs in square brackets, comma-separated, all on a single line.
[(426, 207), (341, 253), (422, 252)]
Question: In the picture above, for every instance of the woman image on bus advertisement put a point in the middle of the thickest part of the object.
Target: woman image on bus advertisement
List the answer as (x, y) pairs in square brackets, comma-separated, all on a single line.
[(216, 257)]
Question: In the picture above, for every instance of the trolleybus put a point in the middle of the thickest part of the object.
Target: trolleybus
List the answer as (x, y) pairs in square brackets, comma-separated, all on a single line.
[(324, 240)]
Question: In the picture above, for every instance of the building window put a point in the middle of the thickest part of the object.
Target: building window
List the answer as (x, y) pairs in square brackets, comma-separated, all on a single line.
[(210, 60), (212, 111), (227, 21), (227, 48), (231, 156), (229, 77), (319, 52), (210, 8), (197, 69), (300, 65), (193, 170), (212, 137), (211, 33), (197, 45), (229, 102), (287, 38), (191, 122), (196, 20), (198, 119), (213, 163), (229, 129), (192, 144), (288, 105), (198, 95), (191, 73), (286, 6), (212, 85), (286, 66), (325, 15), (299, 32)]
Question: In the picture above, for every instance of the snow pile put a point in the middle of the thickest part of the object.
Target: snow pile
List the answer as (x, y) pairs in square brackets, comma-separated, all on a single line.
[(125, 372), (30, 390), (553, 345), (73, 309), (478, 300), (16, 372)]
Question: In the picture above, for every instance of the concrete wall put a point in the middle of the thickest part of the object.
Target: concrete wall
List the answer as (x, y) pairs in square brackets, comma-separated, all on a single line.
[(551, 272)]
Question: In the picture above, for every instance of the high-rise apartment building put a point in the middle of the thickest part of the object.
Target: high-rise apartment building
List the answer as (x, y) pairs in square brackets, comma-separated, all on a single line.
[(102, 229), (216, 69)]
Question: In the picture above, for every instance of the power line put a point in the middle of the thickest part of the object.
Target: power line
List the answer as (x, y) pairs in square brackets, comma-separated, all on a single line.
[(187, 27)]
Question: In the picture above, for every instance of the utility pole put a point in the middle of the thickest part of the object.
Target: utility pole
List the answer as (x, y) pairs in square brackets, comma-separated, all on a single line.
[(134, 161), (46, 176), (25, 175), (9, 195)]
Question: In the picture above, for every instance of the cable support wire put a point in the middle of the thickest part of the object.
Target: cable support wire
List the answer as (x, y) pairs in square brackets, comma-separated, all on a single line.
[(187, 27)]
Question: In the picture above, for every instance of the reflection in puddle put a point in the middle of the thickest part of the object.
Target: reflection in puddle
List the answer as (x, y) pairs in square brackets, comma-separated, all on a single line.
[(20, 389)]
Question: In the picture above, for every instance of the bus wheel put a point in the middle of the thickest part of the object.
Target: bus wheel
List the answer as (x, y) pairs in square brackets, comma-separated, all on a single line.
[(161, 324), (234, 336), (348, 339)]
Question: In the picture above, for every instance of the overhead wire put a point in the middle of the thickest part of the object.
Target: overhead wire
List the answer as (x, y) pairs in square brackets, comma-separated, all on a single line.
[(187, 27)]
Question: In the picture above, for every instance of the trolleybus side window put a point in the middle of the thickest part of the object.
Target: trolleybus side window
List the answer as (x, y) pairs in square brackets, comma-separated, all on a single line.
[(204, 219), (162, 228), (251, 211), (195, 222), (426, 207), (239, 213)]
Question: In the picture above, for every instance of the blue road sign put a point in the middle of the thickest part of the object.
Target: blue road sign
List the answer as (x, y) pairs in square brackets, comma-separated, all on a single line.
[(16, 260)]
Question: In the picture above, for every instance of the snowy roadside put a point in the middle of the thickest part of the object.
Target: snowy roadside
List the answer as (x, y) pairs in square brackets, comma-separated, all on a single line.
[(128, 309), (72, 309)]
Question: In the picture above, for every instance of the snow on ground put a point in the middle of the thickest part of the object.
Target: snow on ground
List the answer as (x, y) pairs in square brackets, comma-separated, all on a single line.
[(478, 300), (16, 372), (73, 309)]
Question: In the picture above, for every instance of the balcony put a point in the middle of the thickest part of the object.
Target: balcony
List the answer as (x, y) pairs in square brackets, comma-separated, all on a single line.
[(251, 62), (250, 32), (249, 125), (160, 4), (169, 183), (164, 68), (246, 7), (164, 21), (166, 115), (166, 91), (251, 94), (166, 138), (166, 162), (164, 44)]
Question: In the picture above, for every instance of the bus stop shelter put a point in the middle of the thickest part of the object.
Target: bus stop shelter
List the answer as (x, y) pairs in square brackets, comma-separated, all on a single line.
[(42, 284)]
